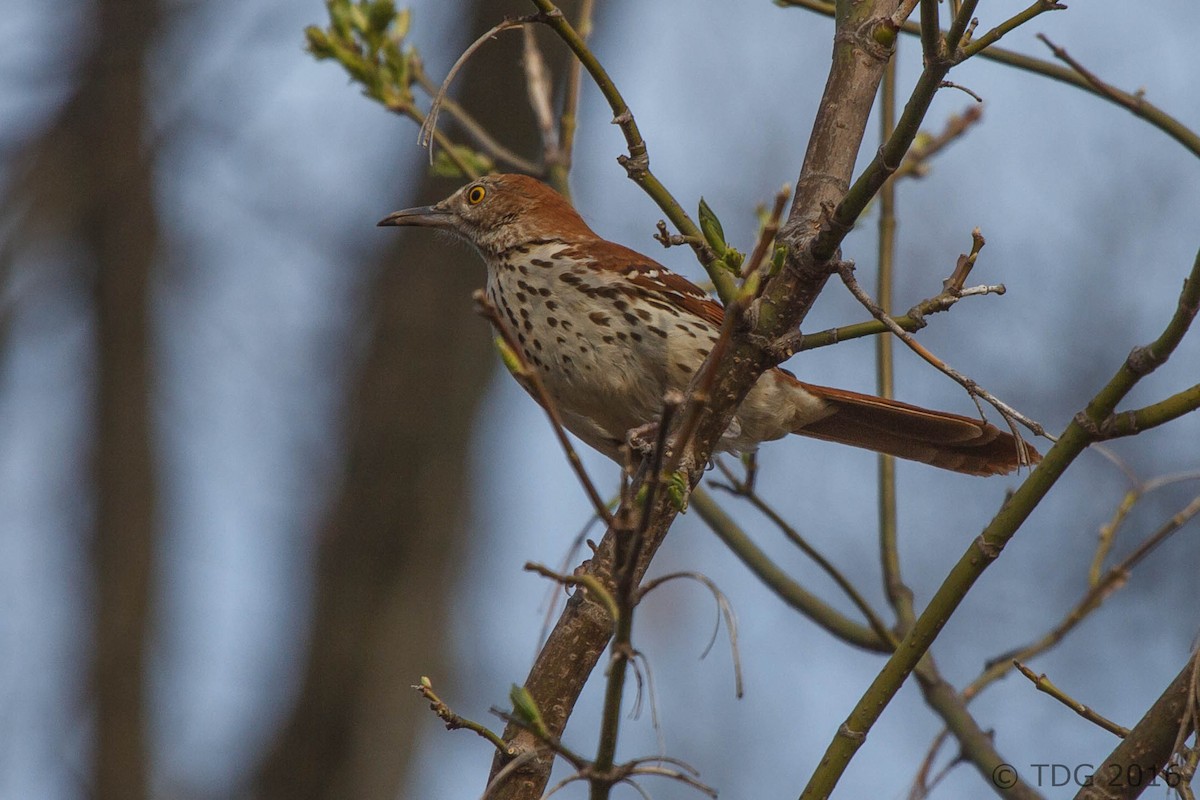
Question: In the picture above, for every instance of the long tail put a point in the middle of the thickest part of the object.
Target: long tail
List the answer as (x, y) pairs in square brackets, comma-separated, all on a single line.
[(937, 438)]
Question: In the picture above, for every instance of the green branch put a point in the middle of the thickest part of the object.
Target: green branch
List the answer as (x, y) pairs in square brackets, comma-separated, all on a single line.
[(984, 48), (988, 546), (637, 162), (778, 581), (1130, 423)]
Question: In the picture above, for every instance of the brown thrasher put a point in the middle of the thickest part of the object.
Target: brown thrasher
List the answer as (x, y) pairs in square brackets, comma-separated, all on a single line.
[(612, 330)]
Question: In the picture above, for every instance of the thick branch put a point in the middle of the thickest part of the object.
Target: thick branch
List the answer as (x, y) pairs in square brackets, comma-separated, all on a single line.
[(582, 632), (1150, 744), (984, 550)]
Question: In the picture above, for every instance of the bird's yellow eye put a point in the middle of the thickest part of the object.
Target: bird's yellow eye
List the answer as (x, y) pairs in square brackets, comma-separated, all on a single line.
[(475, 195)]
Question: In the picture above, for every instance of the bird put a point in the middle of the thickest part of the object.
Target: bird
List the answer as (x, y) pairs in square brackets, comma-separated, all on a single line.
[(610, 331)]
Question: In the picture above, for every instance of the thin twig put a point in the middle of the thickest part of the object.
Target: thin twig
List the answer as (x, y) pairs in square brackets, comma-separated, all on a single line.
[(473, 127), (629, 544), (454, 721), (539, 87), (922, 784), (983, 46), (724, 609), (741, 489), (531, 378), (569, 119), (589, 582), (1044, 684), (429, 126), (782, 584), (759, 257), (1010, 414), (924, 148), (1116, 578), (508, 769), (914, 320), (898, 593), (637, 162)]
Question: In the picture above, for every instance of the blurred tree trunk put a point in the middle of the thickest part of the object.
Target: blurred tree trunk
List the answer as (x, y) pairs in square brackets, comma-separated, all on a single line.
[(392, 543), (109, 170)]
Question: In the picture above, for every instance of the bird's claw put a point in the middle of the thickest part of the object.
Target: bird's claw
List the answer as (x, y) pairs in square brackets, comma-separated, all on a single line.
[(642, 439)]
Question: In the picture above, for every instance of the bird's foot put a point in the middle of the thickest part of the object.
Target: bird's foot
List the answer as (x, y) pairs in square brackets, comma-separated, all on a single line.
[(643, 438)]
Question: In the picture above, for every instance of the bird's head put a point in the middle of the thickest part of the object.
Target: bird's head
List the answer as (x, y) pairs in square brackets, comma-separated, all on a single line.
[(498, 212)]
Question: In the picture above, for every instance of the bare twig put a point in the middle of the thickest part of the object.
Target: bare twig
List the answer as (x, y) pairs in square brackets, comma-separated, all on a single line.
[(569, 119), (923, 784), (760, 256), (473, 128), (741, 489), (1044, 684), (539, 86), (429, 126), (589, 582), (1010, 414), (637, 162), (983, 46), (724, 609), (1116, 578), (455, 722), (782, 584), (925, 147), (898, 593)]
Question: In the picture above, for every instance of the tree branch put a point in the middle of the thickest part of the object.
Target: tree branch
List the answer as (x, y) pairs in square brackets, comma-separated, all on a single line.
[(1150, 744), (579, 638), (988, 546)]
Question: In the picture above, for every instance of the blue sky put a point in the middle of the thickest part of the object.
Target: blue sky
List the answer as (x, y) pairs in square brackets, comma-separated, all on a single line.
[(270, 182)]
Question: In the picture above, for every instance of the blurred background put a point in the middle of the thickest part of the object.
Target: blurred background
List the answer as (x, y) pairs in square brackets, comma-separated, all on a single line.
[(259, 470)]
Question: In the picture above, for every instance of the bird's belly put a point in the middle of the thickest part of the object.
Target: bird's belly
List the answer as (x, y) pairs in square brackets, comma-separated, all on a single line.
[(606, 361)]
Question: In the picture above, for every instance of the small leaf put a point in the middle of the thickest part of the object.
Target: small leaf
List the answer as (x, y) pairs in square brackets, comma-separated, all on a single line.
[(400, 25), (777, 258), (446, 167), (710, 226), (339, 17), (358, 18), (525, 709), (380, 15), (678, 491), (318, 42), (733, 259)]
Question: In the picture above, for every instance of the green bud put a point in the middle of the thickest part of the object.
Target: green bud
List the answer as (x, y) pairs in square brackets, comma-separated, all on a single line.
[(734, 259), (339, 17), (678, 491), (318, 42), (525, 709), (400, 25), (446, 167), (777, 258), (710, 226), (357, 66), (357, 15), (380, 15)]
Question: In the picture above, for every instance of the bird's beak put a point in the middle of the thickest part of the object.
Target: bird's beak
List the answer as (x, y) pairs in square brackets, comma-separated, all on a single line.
[(422, 216)]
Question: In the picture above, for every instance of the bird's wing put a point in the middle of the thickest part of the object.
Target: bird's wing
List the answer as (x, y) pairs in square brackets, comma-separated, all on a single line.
[(647, 274)]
